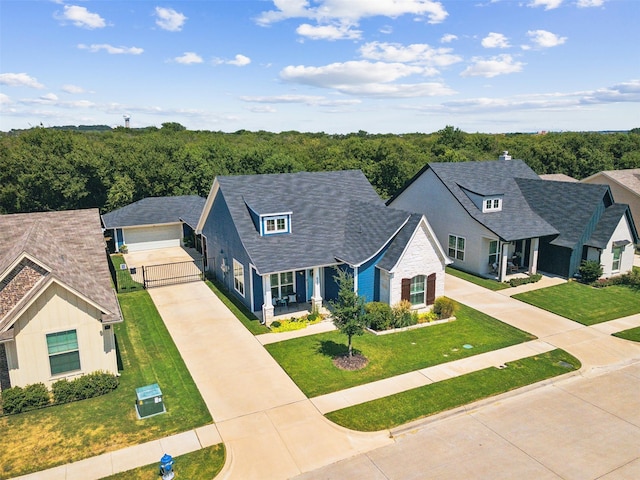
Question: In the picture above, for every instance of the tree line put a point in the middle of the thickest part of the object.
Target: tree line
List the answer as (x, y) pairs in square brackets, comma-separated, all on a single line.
[(45, 169)]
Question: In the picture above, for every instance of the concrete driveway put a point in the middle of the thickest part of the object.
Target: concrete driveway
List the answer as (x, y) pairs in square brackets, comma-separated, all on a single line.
[(269, 428)]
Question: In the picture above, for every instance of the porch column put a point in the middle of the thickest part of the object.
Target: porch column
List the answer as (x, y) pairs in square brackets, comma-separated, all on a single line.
[(267, 305), (503, 262), (316, 298), (533, 256)]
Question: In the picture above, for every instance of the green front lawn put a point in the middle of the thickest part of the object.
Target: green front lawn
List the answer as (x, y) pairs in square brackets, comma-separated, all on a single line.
[(308, 360), (203, 464), (481, 281), (57, 435), (398, 409), (585, 304)]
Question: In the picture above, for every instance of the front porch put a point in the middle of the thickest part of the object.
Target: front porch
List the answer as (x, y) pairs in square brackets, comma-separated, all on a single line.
[(284, 311)]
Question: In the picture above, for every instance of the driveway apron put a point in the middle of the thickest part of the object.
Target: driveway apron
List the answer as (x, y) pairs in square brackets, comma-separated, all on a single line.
[(269, 428)]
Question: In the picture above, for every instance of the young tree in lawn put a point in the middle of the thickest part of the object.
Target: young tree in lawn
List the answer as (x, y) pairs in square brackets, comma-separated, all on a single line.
[(348, 310)]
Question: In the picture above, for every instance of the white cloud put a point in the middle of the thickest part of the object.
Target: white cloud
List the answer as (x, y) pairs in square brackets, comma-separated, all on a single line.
[(73, 89), (590, 3), (495, 40), (328, 32), (312, 100), (81, 17), (240, 61), (49, 98), (545, 39), (4, 99), (418, 53), (364, 78), (492, 67), (352, 10), (386, 30), (262, 109), (188, 58), (110, 49), (169, 19), (448, 38), (547, 4), (19, 80)]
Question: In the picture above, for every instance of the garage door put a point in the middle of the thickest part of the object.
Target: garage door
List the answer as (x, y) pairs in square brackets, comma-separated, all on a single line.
[(148, 238)]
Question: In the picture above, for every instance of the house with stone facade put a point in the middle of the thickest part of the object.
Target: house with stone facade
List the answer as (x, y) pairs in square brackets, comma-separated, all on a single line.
[(57, 306), (276, 240)]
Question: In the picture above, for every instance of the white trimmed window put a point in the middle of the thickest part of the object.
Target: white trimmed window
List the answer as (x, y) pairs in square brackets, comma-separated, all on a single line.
[(64, 355), (282, 285), (416, 293), (492, 205), (238, 277), (456, 247), (278, 224), (617, 255), (493, 252)]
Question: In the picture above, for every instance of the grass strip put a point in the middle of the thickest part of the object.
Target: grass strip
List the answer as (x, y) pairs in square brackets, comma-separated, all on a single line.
[(43, 439), (632, 334), (242, 313), (480, 281), (203, 464), (309, 360), (404, 407), (585, 304)]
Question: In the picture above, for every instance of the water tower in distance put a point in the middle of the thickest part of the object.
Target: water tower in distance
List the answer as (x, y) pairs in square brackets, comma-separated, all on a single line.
[(126, 120)]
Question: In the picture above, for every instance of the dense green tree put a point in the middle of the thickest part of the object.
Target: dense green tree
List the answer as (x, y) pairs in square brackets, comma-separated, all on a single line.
[(348, 314)]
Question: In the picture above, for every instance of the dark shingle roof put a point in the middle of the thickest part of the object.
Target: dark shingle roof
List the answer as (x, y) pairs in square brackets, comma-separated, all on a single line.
[(568, 206), (157, 211), (70, 246), (607, 225), (517, 220), (335, 215), (392, 255)]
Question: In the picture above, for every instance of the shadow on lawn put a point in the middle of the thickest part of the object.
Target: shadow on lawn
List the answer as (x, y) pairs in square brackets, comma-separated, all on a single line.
[(329, 348)]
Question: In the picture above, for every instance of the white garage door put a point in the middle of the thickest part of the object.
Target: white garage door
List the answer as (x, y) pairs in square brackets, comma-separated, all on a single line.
[(148, 238)]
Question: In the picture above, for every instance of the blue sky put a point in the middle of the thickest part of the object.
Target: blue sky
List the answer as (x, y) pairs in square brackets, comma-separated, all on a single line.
[(334, 66)]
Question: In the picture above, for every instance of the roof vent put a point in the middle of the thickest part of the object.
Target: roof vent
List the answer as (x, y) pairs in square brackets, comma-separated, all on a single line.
[(505, 156)]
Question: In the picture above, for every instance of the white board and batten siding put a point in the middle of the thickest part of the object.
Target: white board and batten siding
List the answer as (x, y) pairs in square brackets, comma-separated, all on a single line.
[(151, 237)]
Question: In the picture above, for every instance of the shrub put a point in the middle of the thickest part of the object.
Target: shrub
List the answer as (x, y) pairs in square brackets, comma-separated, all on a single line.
[(17, 399), (515, 282), (88, 386), (275, 324), (379, 316), (427, 317), (590, 271), (444, 307), (403, 316)]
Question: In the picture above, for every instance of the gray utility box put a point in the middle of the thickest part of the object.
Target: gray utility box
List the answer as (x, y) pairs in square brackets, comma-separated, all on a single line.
[(149, 401)]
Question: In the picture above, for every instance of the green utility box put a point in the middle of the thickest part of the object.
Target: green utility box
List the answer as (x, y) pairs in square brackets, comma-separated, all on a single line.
[(149, 401)]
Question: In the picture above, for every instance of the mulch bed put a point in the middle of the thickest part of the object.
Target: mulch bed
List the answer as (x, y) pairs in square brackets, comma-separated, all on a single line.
[(355, 362)]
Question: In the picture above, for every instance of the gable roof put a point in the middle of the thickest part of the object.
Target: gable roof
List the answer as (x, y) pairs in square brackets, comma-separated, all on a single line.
[(628, 178), (608, 223), (66, 247), (517, 220), (157, 211), (568, 206), (335, 216)]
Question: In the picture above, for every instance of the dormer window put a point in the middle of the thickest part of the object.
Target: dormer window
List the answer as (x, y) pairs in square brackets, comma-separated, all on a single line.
[(275, 224), (492, 205)]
